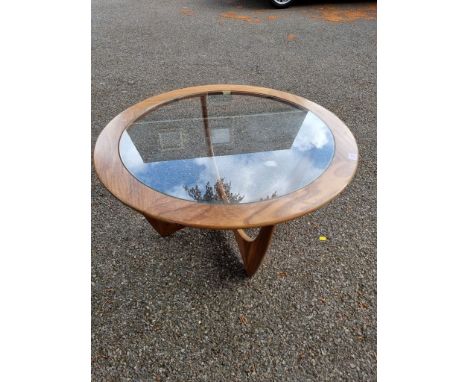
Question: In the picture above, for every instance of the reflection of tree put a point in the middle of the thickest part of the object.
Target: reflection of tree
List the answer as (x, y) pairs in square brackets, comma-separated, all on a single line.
[(220, 192), (273, 195)]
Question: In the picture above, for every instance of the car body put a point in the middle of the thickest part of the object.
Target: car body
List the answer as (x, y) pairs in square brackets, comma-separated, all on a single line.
[(281, 3)]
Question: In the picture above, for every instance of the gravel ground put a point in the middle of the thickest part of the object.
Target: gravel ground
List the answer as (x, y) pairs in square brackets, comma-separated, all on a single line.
[(180, 308)]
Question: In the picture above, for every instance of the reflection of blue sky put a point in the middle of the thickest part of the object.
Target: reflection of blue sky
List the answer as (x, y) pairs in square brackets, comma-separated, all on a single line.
[(253, 175)]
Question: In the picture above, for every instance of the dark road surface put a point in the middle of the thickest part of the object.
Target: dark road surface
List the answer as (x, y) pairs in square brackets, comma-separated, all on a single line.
[(180, 308)]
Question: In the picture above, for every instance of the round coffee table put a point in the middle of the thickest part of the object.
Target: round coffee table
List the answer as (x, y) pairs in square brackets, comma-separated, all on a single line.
[(226, 157)]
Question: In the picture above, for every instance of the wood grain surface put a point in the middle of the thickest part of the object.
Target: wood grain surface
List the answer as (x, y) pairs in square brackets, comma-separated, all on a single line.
[(124, 186), (253, 250)]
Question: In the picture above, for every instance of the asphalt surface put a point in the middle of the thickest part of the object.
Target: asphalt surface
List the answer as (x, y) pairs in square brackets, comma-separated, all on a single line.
[(180, 308)]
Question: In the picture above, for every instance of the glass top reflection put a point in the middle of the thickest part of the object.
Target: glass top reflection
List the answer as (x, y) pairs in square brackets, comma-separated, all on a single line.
[(227, 148)]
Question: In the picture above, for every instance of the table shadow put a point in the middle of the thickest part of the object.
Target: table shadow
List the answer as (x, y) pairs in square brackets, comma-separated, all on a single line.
[(223, 257)]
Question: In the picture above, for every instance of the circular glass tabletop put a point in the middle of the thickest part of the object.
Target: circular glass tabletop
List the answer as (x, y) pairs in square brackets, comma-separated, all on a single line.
[(227, 148)]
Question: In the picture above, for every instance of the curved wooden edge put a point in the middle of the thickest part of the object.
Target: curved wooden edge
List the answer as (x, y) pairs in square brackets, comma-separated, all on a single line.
[(253, 250), (164, 228), (124, 186)]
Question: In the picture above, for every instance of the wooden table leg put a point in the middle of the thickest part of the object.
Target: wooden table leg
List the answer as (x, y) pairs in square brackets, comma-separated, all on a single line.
[(164, 228), (253, 250)]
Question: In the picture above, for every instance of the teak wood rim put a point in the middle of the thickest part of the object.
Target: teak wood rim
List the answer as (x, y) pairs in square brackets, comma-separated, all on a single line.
[(155, 205)]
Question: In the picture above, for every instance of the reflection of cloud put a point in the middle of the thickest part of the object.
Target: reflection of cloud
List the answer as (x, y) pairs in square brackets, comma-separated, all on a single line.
[(178, 191), (129, 154), (313, 133), (252, 175)]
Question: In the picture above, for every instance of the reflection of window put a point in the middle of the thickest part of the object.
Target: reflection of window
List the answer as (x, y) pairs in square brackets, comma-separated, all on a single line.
[(224, 98), (220, 136), (170, 140)]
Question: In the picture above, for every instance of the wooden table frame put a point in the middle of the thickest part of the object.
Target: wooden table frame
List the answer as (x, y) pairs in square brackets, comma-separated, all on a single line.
[(168, 214)]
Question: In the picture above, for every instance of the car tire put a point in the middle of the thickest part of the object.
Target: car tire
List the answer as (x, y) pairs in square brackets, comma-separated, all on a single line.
[(281, 3)]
